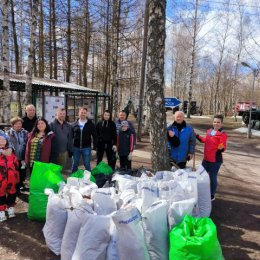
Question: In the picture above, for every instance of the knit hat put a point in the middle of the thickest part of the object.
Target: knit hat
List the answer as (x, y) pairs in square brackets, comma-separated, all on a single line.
[(4, 135), (124, 123)]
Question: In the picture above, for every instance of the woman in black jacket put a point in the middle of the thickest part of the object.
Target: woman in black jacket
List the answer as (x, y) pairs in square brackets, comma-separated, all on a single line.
[(106, 139)]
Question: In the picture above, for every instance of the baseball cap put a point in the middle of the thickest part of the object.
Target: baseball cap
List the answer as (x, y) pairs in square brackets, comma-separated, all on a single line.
[(124, 123)]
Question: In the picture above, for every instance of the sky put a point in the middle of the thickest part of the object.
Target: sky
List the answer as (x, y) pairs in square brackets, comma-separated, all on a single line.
[(213, 15)]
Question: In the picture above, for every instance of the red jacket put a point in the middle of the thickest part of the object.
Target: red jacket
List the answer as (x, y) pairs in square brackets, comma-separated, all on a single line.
[(9, 175), (49, 149), (214, 145)]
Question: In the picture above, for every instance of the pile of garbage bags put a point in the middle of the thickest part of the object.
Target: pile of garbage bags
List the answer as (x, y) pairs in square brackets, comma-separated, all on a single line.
[(151, 217)]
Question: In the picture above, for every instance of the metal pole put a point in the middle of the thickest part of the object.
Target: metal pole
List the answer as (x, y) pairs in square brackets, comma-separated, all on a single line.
[(249, 131)]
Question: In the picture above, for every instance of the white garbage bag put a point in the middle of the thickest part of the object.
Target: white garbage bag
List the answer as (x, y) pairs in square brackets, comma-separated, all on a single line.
[(104, 200), (93, 239), (112, 250), (72, 229), (178, 210), (148, 192), (155, 225), (131, 241), (56, 219), (125, 182), (204, 197)]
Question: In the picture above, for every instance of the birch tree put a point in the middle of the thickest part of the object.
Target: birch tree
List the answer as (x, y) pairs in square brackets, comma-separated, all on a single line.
[(143, 66), (155, 84), (5, 97), (29, 71)]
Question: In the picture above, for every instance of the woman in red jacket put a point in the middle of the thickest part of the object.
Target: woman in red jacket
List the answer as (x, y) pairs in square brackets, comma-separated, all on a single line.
[(41, 145), (215, 144)]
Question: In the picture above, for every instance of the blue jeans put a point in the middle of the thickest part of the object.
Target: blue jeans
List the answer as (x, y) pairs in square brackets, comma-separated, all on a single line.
[(86, 154), (212, 169)]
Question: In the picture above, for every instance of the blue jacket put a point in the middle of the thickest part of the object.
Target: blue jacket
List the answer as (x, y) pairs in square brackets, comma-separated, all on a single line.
[(182, 143)]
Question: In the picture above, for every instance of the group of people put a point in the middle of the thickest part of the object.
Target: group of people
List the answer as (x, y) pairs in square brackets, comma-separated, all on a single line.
[(32, 138), (182, 141)]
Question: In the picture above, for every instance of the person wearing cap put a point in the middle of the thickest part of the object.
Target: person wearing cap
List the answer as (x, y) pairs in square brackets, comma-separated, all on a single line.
[(125, 145), (10, 147), (9, 177), (122, 117)]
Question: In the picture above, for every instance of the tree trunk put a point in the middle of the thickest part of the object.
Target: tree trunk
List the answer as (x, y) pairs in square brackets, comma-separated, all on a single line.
[(115, 40), (5, 113), (86, 47), (50, 41), (41, 42), (155, 84), (107, 71), (55, 51), (143, 66), (193, 56), (68, 73), (17, 56), (29, 71)]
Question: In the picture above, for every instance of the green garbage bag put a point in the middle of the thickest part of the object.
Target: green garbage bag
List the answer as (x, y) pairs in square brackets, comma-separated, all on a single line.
[(102, 167), (44, 175), (80, 174), (195, 239)]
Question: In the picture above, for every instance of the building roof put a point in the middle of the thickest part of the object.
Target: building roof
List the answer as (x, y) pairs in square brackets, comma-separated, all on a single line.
[(17, 82)]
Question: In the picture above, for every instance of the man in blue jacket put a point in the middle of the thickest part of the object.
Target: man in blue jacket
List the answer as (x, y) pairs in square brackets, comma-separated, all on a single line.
[(182, 140)]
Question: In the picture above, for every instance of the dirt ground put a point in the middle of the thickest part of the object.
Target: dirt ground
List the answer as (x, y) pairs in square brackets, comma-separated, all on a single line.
[(236, 210)]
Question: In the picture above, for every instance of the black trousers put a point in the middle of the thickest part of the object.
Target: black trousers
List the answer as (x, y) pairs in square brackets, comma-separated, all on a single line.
[(103, 147), (22, 174), (125, 163)]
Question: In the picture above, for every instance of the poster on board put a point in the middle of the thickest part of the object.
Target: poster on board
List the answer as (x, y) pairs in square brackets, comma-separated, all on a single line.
[(51, 103), (89, 103)]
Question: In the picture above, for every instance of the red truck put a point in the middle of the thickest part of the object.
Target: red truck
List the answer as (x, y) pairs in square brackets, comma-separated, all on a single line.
[(243, 106)]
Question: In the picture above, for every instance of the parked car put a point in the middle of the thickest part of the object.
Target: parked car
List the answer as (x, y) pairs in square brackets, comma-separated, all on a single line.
[(255, 118), (243, 106)]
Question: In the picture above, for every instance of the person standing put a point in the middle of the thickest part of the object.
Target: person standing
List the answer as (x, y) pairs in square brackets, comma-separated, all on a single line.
[(125, 146), (30, 118), (9, 177), (121, 118), (215, 143), (181, 140), (18, 138), (106, 139), (82, 132), (63, 133), (41, 145)]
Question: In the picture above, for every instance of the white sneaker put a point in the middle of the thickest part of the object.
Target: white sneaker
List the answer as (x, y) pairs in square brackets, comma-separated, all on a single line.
[(2, 216), (10, 212)]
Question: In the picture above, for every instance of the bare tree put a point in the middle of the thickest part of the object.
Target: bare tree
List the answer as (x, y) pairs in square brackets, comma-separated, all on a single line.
[(86, 44), (5, 98), (68, 44), (155, 84), (17, 56), (54, 40), (193, 56), (29, 71), (142, 80), (41, 41), (115, 40)]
